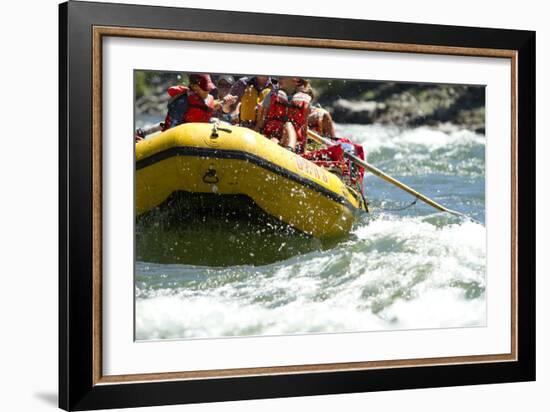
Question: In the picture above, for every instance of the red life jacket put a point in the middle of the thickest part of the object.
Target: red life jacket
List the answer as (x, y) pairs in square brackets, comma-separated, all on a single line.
[(333, 157), (281, 111), (197, 110)]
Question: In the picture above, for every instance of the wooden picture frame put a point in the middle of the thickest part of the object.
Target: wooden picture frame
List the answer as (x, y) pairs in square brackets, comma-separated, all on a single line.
[(82, 385)]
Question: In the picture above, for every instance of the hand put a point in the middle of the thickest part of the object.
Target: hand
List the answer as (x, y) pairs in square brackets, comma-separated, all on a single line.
[(139, 135), (230, 99)]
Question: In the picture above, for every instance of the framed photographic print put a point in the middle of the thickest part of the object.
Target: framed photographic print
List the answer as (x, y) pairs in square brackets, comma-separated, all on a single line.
[(256, 205)]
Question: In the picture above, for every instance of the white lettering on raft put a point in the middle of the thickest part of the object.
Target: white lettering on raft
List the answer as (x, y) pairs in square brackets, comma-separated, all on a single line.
[(311, 169)]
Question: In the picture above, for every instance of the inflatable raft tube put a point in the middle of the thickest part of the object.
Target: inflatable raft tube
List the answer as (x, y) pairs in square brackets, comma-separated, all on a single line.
[(231, 160)]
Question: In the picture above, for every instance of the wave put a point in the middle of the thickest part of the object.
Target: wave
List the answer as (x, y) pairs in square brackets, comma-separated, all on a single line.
[(422, 150), (392, 273)]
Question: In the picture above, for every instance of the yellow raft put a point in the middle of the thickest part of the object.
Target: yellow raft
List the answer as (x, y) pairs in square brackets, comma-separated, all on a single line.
[(231, 160)]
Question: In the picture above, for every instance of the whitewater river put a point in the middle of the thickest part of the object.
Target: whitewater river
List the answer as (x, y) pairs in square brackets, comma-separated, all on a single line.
[(408, 269)]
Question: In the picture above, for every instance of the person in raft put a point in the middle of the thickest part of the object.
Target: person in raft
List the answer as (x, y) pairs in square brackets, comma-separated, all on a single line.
[(319, 119), (284, 114), (193, 104), (227, 112), (249, 92)]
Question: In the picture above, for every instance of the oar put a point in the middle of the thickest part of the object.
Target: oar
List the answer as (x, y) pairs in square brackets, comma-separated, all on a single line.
[(144, 132), (377, 172)]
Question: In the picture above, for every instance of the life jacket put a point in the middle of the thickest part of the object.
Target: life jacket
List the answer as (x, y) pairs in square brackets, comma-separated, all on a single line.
[(195, 111), (281, 110), (333, 157), (249, 103)]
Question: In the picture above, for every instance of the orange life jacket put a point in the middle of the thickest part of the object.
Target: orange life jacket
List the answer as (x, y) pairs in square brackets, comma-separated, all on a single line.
[(281, 110)]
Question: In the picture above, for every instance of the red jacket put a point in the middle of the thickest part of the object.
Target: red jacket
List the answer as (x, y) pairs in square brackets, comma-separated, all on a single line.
[(281, 110), (187, 107)]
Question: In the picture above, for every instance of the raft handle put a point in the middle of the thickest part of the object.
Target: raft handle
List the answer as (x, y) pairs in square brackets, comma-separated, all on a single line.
[(210, 176), (215, 129)]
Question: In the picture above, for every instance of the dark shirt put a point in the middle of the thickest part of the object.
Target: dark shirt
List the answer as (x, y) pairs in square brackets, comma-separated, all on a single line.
[(240, 86), (177, 109)]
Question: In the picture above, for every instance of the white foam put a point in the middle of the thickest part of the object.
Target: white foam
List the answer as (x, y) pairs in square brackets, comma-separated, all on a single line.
[(376, 137), (400, 273)]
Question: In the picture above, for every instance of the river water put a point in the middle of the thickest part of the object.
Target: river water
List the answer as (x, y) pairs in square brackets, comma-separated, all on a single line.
[(410, 269)]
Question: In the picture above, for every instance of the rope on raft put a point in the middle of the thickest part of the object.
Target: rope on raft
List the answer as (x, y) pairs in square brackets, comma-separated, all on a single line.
[(399, 209)]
